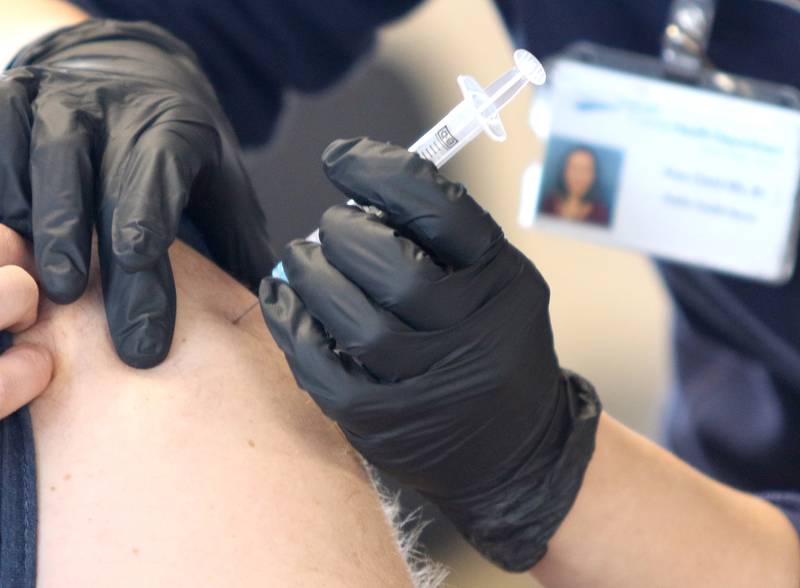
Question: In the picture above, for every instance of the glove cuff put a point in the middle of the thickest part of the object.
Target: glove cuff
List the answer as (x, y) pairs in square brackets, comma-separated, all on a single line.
[(99, 30), (512, 523)]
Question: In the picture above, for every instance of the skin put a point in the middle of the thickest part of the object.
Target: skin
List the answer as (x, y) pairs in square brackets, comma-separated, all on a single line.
[(25, 370), (579, 175), (142, 474), (211, 470), (645, 518), (23, 22)]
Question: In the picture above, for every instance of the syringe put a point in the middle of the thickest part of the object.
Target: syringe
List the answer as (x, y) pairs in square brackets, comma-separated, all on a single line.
[(478, 111)]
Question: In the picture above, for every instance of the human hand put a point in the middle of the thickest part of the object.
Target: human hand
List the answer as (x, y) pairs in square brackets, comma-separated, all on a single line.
[(426, 336), (25, 369), (113, 126)]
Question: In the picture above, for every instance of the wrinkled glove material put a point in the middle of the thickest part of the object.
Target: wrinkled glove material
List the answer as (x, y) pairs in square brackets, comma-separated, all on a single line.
[(426, 336), (113, 127)]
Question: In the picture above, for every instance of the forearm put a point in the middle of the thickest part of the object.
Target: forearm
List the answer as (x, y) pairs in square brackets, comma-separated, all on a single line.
[(643, 516), (23, 22)]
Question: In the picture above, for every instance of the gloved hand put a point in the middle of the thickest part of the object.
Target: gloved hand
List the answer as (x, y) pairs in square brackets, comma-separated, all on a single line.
[(114, 125), (425, 335)]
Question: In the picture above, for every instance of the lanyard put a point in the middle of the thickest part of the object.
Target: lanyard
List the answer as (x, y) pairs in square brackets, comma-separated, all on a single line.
[(686, 37)]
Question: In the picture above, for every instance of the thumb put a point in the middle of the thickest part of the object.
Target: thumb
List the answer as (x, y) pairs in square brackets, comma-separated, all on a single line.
[(25, 372)]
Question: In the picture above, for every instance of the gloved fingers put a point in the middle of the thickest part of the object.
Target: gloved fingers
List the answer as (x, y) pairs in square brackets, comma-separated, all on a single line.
[(389, 349), (396, 273), (331, 380), (25, 372), (140, 306), (438, 214), (62, 186), (162, 170), (15, 131)]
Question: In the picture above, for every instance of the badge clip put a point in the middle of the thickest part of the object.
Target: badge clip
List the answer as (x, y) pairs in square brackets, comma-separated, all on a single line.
[(686, 37)]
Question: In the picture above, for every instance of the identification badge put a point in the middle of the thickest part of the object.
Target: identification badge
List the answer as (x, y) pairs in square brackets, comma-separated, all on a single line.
[(705, 174)]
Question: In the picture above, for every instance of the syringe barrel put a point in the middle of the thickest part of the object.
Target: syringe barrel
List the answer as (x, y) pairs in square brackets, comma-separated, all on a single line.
[(448, 136)]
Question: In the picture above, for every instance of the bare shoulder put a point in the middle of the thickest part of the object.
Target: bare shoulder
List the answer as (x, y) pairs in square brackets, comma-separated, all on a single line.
[(212, 469)]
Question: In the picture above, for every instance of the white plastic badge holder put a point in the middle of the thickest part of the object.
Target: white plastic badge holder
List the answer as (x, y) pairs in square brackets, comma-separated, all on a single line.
[(704, 173)]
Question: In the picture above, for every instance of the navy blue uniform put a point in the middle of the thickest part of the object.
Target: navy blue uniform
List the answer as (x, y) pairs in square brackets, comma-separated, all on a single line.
[(735, 412)]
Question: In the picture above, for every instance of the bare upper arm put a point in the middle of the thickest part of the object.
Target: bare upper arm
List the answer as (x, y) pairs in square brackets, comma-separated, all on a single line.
[(210, 470)]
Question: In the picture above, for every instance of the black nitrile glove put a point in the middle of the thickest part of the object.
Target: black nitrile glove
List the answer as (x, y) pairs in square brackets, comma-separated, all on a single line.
[(114, 125), (426, 336)]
